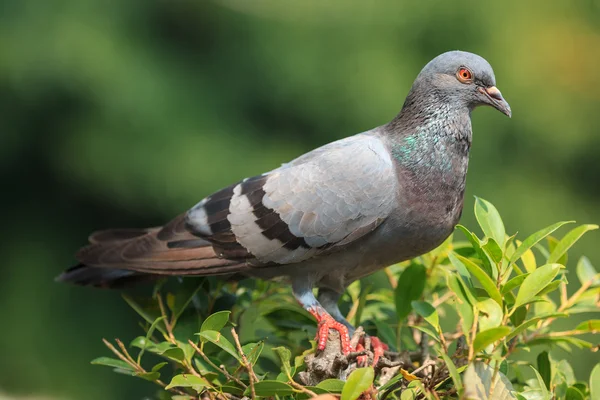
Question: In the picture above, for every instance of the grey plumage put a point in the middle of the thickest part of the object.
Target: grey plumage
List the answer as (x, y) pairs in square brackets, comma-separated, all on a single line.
[(333, 215)]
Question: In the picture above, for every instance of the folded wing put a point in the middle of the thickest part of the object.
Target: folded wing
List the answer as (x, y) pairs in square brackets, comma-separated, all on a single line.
[(326, 198)]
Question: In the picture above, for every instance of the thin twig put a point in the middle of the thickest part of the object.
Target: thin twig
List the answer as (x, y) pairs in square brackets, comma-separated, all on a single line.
[(443, 340), (426, 364), (442, 299), (393, 280), (121, 356), (563, 293), (302, 388), (494, 375), (168, 326), (574, 332), (354, 354), (125, 352), (358, 333), (247, 364), (565, 304), (212, 364), (139, 369), (473, 333)]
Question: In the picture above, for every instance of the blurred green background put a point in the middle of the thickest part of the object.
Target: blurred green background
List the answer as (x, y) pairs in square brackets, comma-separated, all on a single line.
[(124, 113)]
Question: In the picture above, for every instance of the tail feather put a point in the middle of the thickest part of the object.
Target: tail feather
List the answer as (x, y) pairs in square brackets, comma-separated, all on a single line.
[(121, 257), (103, 277)]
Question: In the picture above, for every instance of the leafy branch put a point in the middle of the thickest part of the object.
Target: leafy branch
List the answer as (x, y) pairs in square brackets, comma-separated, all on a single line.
[(248, 339)]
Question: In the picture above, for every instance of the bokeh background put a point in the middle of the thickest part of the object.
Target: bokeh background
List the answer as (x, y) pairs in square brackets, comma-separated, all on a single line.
[(124, 113)]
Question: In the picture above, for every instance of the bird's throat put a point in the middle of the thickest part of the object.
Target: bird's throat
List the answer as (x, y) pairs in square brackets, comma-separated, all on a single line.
[(431, 138)]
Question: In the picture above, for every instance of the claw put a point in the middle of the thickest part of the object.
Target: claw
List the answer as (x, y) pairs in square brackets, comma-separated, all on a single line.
[(361, 361), (326, 322), (378, 349)]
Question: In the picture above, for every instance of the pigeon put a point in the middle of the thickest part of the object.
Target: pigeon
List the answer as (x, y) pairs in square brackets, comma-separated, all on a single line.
[(328, 217)]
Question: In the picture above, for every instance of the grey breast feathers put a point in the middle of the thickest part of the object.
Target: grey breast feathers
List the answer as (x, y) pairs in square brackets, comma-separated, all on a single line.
[(328, 197)]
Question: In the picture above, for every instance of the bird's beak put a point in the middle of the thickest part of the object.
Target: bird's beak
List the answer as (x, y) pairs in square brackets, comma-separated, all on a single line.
[(496, 100)]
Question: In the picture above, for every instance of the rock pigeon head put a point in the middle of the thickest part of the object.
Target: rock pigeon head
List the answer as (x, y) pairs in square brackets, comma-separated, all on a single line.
[(463, 79)]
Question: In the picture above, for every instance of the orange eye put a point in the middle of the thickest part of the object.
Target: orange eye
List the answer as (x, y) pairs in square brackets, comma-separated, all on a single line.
[(464, 75)]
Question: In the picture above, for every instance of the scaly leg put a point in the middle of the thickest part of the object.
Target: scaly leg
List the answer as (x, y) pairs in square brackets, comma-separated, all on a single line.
[(303, 293), (329, 300)]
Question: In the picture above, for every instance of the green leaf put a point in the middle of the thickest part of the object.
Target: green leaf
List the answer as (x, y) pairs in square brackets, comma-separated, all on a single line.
[(285, 356), (359, 381), (531, 322), (216, 321), (574, 394), (535, 282), (332, 385), (519, 315), (410, 393), (551, 287), (268, 388), (253, 351), (566, 371), (149, 376), (492, 248), (159, 366), (188, 350), (188, 380), (591, 325), (504, 367), (541, 384), (489, 220), (411, 284), (491, 314), (234, 390), (595, 383), (159, 348), (386, 333), (391, 385), (218, 339), (563, 342), (463, 305), (535, 238), (586, 272), (112, 362), (543, 364), (452, 371), (489, 336), (479, 379), (568, 240), (513, 283), (529, 261), (140, 342), (476, 243), (581, 386), (427, 311), (488, 285), (461, 269), (147, 342), (425, 329), (552, 243), (175, 354)]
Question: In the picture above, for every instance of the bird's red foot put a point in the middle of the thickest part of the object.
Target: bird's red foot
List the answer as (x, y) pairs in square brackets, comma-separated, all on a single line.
[(378, 349), (326, 322)]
